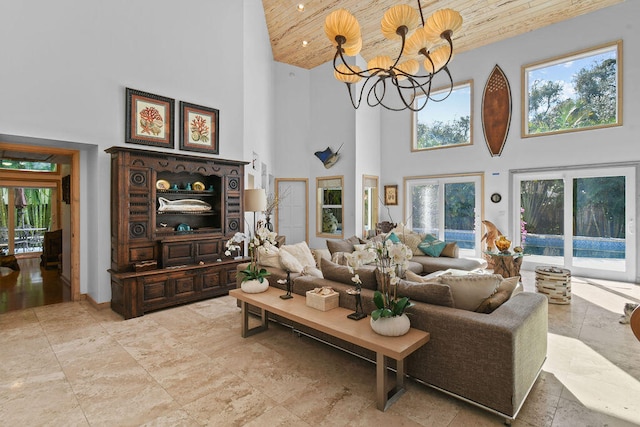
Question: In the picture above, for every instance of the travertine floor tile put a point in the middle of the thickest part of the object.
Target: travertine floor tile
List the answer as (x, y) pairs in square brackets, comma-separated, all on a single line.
[(70, 364)]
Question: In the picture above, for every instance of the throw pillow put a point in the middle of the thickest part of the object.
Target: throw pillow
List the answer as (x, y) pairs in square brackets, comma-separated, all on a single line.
[(414, 277), (312, 271), (345, 245), (471, 290), (340, 273), (339, 258), (430, 292), (290, 262), (503, 293), (450, 250), (301, 252), (392, 236), (431, 246), (269, 257)]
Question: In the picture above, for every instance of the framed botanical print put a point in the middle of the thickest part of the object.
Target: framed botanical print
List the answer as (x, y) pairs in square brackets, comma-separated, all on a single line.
[(391, 195), (199, 128), (149, 119)]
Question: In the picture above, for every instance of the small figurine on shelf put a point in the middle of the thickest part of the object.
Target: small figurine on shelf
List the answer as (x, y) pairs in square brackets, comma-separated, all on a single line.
[(188, 187), (359, 313), (503, 244), (287, 282)]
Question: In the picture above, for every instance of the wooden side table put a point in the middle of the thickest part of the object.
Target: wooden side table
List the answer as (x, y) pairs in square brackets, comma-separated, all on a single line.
[(506, 264)]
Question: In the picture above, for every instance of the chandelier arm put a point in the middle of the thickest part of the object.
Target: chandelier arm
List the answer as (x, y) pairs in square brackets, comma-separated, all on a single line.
[(446, 69), (374, 92), (413, 88), (420, 10), (352, 98), (353, 72)]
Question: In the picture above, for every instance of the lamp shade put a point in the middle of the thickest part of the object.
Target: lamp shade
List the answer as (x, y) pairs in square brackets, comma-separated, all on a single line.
[(343, 73), (398, 16), (441, 21), (255, 200)]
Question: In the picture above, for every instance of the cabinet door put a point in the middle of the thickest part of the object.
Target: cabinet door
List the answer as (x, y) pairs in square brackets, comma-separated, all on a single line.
[(207, 250), (178, 253)]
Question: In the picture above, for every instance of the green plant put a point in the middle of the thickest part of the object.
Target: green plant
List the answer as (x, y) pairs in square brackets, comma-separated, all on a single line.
[(263, 238), (389, 258)]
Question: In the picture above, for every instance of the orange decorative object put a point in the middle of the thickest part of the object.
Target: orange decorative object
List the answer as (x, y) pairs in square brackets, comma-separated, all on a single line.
[(503, 244)]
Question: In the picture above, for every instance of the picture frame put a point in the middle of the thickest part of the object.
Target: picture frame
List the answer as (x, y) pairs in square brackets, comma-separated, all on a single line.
[(149, 119), (199, 128), (391, 195)]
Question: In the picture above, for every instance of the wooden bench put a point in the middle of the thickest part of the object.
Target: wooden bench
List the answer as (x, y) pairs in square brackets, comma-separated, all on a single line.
[(335, 323)]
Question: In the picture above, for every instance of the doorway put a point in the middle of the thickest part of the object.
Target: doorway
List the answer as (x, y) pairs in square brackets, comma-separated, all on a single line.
[(292, 214), (66, 216)]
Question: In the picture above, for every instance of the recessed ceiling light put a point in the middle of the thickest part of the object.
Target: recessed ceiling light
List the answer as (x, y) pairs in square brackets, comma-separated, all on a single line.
[(305, 43), (300, 7)]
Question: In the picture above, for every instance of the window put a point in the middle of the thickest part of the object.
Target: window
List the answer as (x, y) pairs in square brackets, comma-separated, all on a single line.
[(578, 219), (575, 92), (28, 166), (448, 207), (444, 122), (369, 205), (329, 207)]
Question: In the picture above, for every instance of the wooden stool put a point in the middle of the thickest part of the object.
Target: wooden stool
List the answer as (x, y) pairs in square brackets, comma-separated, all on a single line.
[(634, 322)]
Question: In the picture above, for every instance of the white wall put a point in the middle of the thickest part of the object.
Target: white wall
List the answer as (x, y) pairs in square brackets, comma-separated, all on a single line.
[(66, 65), (329, 119), (617, 144)]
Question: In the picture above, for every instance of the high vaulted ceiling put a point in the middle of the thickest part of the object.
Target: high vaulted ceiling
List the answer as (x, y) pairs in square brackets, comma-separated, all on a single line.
[(484, 22)]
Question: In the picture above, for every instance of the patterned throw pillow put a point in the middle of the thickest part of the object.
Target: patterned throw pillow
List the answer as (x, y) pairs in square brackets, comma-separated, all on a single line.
[(431, 246)]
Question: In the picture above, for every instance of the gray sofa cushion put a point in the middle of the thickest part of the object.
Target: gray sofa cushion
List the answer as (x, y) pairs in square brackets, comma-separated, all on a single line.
[(345, 245), (431, 264), (429, 292), (340, 273)]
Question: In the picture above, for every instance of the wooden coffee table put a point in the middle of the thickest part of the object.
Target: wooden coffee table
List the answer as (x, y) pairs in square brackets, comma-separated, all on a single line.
[(335, 323)]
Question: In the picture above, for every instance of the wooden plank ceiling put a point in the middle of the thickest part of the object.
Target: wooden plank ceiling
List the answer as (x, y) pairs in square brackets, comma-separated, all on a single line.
[(484, 22)]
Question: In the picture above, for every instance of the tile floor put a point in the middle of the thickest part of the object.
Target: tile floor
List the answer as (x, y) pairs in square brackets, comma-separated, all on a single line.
[(71, 365)]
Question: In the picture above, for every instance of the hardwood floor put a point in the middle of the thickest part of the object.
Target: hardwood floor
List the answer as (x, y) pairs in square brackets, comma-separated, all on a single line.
[(32, 286)]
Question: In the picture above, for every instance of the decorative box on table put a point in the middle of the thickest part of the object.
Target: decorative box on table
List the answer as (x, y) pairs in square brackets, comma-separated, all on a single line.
[(323, 299)]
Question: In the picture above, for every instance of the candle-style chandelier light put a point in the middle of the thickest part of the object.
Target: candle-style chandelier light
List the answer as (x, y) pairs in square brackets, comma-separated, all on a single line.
[(427, 41)]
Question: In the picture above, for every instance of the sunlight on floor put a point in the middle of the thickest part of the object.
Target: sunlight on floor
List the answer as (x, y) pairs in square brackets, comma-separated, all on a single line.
[(594, 381), (609, 297)]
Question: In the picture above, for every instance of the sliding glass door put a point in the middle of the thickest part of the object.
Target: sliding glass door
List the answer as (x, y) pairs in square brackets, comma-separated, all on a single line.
[(579, 219), (448, 207)]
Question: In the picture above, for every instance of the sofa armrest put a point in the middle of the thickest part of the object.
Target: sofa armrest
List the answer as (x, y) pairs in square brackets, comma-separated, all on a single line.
[(492, 359)]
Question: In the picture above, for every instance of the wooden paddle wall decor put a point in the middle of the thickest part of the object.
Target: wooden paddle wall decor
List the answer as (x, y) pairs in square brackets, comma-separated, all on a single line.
[(496, 111)]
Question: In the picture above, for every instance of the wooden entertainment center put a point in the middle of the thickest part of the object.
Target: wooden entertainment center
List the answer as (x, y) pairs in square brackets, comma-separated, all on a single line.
[(162, 257)]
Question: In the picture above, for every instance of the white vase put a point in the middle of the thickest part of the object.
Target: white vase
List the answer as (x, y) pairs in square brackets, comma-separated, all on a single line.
[(254, 286), (391, 326)]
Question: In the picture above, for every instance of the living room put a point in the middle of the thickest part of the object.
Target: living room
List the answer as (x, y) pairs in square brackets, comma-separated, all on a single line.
[(69, 64)]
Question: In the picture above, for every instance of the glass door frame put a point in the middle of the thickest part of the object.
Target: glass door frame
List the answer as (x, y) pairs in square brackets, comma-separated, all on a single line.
[(441, 180), (567, 176), (53, 183)]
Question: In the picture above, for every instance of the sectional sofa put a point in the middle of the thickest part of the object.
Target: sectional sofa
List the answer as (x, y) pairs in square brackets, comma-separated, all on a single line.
[(491, 359)]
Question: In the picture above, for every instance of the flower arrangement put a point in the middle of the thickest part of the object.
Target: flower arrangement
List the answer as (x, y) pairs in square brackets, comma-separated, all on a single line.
[(391, 258), (262, 238)]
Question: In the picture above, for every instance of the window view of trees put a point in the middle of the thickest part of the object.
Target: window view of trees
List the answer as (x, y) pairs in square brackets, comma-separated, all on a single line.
[(445, 123), (579, 92), (456, 222), (28, 166), (597, 214)]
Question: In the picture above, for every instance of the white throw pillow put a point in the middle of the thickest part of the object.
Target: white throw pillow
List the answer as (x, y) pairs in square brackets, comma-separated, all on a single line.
[(471, 290), (269, 257), (289, 262), (312, 271), (301, 252)]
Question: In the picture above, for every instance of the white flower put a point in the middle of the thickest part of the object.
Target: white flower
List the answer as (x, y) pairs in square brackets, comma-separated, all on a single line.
[(356, 279)]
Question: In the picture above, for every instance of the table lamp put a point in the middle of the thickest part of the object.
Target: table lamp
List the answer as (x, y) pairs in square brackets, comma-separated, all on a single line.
[(255, 200)]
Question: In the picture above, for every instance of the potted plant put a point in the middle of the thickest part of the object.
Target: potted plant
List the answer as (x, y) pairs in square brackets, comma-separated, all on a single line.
[(389, 317), (254, 278)]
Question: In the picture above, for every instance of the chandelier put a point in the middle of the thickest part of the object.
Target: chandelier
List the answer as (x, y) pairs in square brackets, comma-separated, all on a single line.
[(431, 41)]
